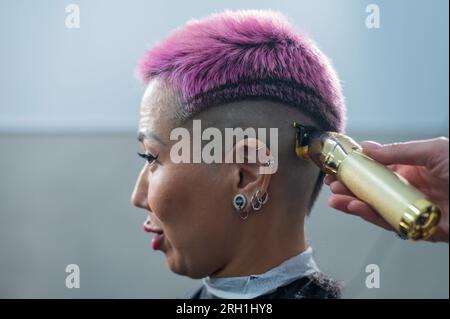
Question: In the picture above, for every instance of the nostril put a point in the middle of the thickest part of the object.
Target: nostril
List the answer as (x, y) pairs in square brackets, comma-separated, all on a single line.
[(148, 221)]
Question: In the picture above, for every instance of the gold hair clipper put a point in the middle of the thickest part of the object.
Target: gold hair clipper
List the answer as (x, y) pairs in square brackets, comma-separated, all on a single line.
[(404, 207)]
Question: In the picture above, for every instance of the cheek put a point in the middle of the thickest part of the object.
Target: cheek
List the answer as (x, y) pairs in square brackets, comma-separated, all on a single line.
[(190, 202), (170, 195), (162, 193), (193, 205)]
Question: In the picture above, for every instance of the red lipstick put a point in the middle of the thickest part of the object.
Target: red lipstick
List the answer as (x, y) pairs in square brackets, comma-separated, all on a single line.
[(159, 234), (157, 241)]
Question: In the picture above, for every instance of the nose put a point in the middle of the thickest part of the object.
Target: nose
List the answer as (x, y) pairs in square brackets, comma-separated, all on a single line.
[(139, 195)]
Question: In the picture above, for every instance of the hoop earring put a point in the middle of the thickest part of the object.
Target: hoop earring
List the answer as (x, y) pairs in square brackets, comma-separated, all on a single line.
[(256, 205), (264, 199), (239, 203), (258, 202)]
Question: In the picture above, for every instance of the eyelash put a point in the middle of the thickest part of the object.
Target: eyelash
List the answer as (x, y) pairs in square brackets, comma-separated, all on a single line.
[(149, 157)]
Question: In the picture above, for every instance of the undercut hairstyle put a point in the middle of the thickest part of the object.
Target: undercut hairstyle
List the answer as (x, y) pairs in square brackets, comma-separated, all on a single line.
[(240, 55)]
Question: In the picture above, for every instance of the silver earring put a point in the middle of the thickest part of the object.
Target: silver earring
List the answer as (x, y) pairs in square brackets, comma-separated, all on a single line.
[(256, 205), (258, 202), (239, 203), (264, 199)]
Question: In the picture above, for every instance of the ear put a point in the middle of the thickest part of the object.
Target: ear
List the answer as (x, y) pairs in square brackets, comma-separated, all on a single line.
[(252, 159)]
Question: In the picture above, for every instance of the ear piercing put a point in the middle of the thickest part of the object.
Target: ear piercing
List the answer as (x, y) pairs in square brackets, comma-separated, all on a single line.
[(239, 203), (257, 202)]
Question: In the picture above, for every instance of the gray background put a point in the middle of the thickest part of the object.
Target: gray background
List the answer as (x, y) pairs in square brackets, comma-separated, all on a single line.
[(68, 116)]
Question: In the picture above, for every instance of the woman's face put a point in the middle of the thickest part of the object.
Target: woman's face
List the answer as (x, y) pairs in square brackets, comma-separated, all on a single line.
[(189, 204)]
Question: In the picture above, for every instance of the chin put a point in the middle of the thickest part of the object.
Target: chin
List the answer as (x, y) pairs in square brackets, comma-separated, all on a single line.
[(177, 266)]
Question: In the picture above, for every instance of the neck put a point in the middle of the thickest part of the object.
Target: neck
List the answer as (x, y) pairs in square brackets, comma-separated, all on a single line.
[(265, 247)]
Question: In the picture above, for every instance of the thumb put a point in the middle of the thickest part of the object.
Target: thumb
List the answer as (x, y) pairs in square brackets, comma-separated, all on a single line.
[(370, 145), (422, 153)]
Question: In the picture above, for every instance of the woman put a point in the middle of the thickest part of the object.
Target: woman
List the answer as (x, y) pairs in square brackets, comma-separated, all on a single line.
[(238, 224)]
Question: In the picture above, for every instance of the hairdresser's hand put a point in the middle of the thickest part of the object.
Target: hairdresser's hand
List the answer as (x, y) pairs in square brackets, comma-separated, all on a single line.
[(423, 163)]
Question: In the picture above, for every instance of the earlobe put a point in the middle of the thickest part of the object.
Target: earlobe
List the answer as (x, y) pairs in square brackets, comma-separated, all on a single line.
[(257, 202), (252, 183), (240, 203)]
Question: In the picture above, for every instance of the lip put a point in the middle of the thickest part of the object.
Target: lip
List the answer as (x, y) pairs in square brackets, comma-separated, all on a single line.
[(159, 234), (157, 241), (149, 228)]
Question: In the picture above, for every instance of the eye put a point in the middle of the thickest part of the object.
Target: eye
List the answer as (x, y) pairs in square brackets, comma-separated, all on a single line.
[(149, 157)]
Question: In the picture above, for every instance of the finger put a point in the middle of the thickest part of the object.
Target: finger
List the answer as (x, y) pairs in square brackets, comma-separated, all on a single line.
[(353, 206), (423, 152), (339, 188), (329, 179), (340, 202), (367, 213), (394, 167)]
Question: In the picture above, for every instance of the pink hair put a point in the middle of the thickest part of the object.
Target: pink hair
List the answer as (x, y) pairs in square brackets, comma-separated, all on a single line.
[(247, 54)]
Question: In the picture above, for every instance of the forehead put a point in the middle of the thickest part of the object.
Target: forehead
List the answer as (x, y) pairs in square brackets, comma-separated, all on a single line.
[(158, 108)]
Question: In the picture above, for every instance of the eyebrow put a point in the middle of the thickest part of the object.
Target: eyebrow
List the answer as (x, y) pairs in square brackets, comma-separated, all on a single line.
[(149, 135)]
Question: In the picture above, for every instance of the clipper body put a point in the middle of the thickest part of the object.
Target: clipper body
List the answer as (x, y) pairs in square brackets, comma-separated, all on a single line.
[(404, 207)]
